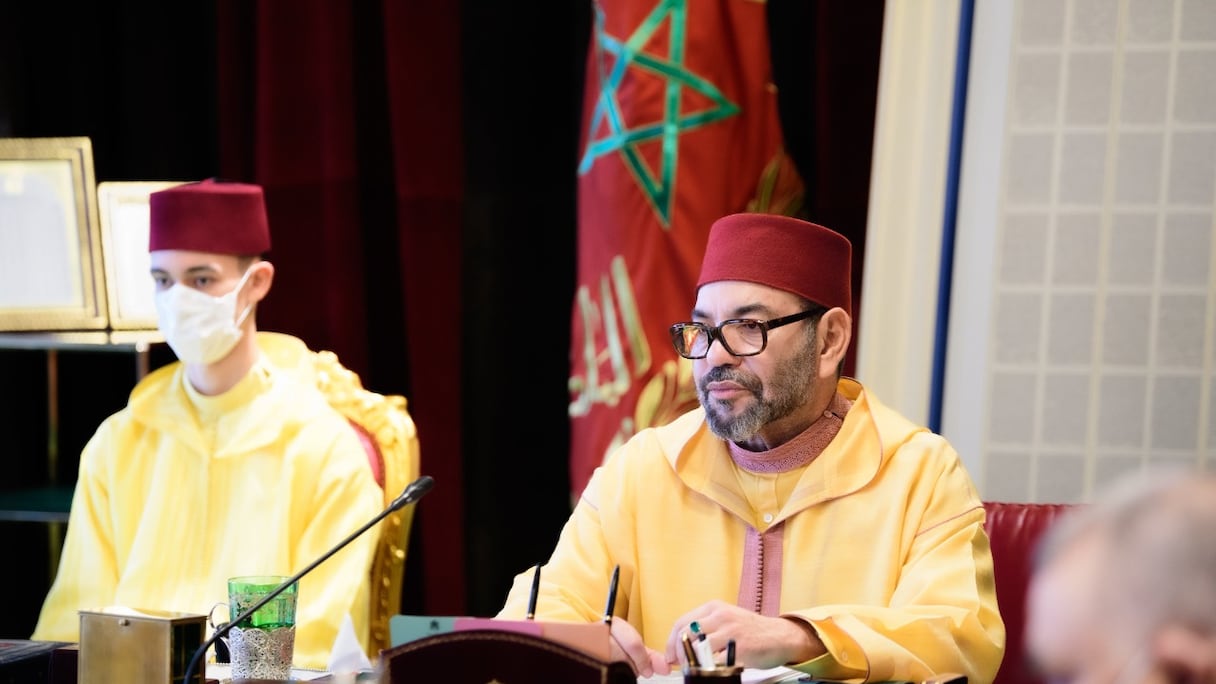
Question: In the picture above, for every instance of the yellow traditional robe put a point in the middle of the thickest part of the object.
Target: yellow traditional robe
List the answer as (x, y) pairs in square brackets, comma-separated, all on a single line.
[(882, 546), (178, 492)]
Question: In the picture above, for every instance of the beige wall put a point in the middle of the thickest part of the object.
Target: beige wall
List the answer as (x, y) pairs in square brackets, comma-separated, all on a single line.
[(1082, 335)]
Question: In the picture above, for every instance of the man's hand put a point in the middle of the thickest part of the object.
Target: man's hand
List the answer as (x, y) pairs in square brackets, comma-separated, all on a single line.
[(627, 645), (760, 641)]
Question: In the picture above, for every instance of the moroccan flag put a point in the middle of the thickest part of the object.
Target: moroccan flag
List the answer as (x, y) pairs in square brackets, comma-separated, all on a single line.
[(680, 127)]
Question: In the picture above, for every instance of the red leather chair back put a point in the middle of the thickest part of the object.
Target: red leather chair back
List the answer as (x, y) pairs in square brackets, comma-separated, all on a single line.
[(1014, 530)]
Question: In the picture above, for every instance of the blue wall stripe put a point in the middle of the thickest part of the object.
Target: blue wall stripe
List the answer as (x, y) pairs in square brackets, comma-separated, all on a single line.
[(958, 111)]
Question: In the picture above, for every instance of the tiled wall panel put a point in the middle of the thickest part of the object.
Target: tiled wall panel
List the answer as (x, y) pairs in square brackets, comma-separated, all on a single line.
[(1103, 340)]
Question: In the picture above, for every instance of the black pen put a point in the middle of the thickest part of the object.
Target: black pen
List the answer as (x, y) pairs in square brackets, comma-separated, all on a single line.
[(616, 576), (535, 592), (730, 653)]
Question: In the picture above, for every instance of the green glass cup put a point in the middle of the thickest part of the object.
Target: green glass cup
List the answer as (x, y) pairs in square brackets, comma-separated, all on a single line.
[(262, 645)]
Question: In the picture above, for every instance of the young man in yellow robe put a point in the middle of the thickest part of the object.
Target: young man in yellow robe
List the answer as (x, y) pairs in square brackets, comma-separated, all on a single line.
[(792, 513), (223, 463)]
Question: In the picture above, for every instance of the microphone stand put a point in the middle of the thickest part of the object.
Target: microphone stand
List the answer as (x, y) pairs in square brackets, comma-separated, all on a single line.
[(412, 493)]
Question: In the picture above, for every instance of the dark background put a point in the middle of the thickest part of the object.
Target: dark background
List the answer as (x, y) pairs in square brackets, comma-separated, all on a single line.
[(448, 277)]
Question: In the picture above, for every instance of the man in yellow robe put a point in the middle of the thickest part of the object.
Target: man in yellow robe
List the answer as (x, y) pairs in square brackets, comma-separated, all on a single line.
[(223, 463), (793, 513)]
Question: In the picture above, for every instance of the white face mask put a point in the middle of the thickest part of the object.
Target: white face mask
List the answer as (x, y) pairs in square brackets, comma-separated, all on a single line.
[(200, 329)]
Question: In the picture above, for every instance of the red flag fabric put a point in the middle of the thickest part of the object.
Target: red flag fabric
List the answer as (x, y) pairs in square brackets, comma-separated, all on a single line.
[(680, 127)]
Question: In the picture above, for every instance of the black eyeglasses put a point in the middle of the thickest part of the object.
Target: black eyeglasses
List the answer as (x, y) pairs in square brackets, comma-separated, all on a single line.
[(739, 336)]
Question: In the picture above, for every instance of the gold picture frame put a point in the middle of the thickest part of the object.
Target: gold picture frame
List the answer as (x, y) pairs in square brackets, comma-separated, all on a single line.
[(50, 252), (123, 206)]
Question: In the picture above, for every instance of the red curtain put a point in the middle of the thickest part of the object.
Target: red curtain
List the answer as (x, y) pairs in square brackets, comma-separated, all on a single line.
[(330, 135)]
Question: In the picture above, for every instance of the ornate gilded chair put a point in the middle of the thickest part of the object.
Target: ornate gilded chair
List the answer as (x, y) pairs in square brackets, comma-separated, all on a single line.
[(388, 434)]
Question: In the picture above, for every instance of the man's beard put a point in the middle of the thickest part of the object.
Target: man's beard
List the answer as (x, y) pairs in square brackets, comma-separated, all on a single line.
[(791, 384)]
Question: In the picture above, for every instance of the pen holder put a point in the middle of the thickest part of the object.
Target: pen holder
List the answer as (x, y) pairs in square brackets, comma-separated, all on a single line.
[(713, 675)]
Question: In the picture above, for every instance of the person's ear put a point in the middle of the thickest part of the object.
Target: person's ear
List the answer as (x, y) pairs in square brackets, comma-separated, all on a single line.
[(260, 278), (834, 332), (1185, 654)]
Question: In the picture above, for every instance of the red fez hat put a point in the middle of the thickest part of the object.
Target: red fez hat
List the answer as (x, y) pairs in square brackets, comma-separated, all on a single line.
[(782, 252), (209, 216)]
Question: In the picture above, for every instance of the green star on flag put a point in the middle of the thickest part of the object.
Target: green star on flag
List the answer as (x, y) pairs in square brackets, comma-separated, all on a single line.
[(671, 68)]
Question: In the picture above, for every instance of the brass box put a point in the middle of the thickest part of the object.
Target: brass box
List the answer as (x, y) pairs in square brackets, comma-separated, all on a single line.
[(146, 647)]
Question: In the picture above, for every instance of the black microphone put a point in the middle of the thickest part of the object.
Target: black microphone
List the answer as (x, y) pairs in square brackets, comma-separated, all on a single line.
[(412, 492)]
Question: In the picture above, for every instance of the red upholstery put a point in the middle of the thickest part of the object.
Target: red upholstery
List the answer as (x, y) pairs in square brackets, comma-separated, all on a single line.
[(1014, 530), (374, 458)]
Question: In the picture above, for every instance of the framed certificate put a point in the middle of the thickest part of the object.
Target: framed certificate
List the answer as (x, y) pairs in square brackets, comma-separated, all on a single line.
[(123, 206), (50, 252)]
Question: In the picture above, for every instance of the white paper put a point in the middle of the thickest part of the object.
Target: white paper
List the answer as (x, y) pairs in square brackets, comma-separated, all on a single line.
[(347, 655), (750, 676)]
